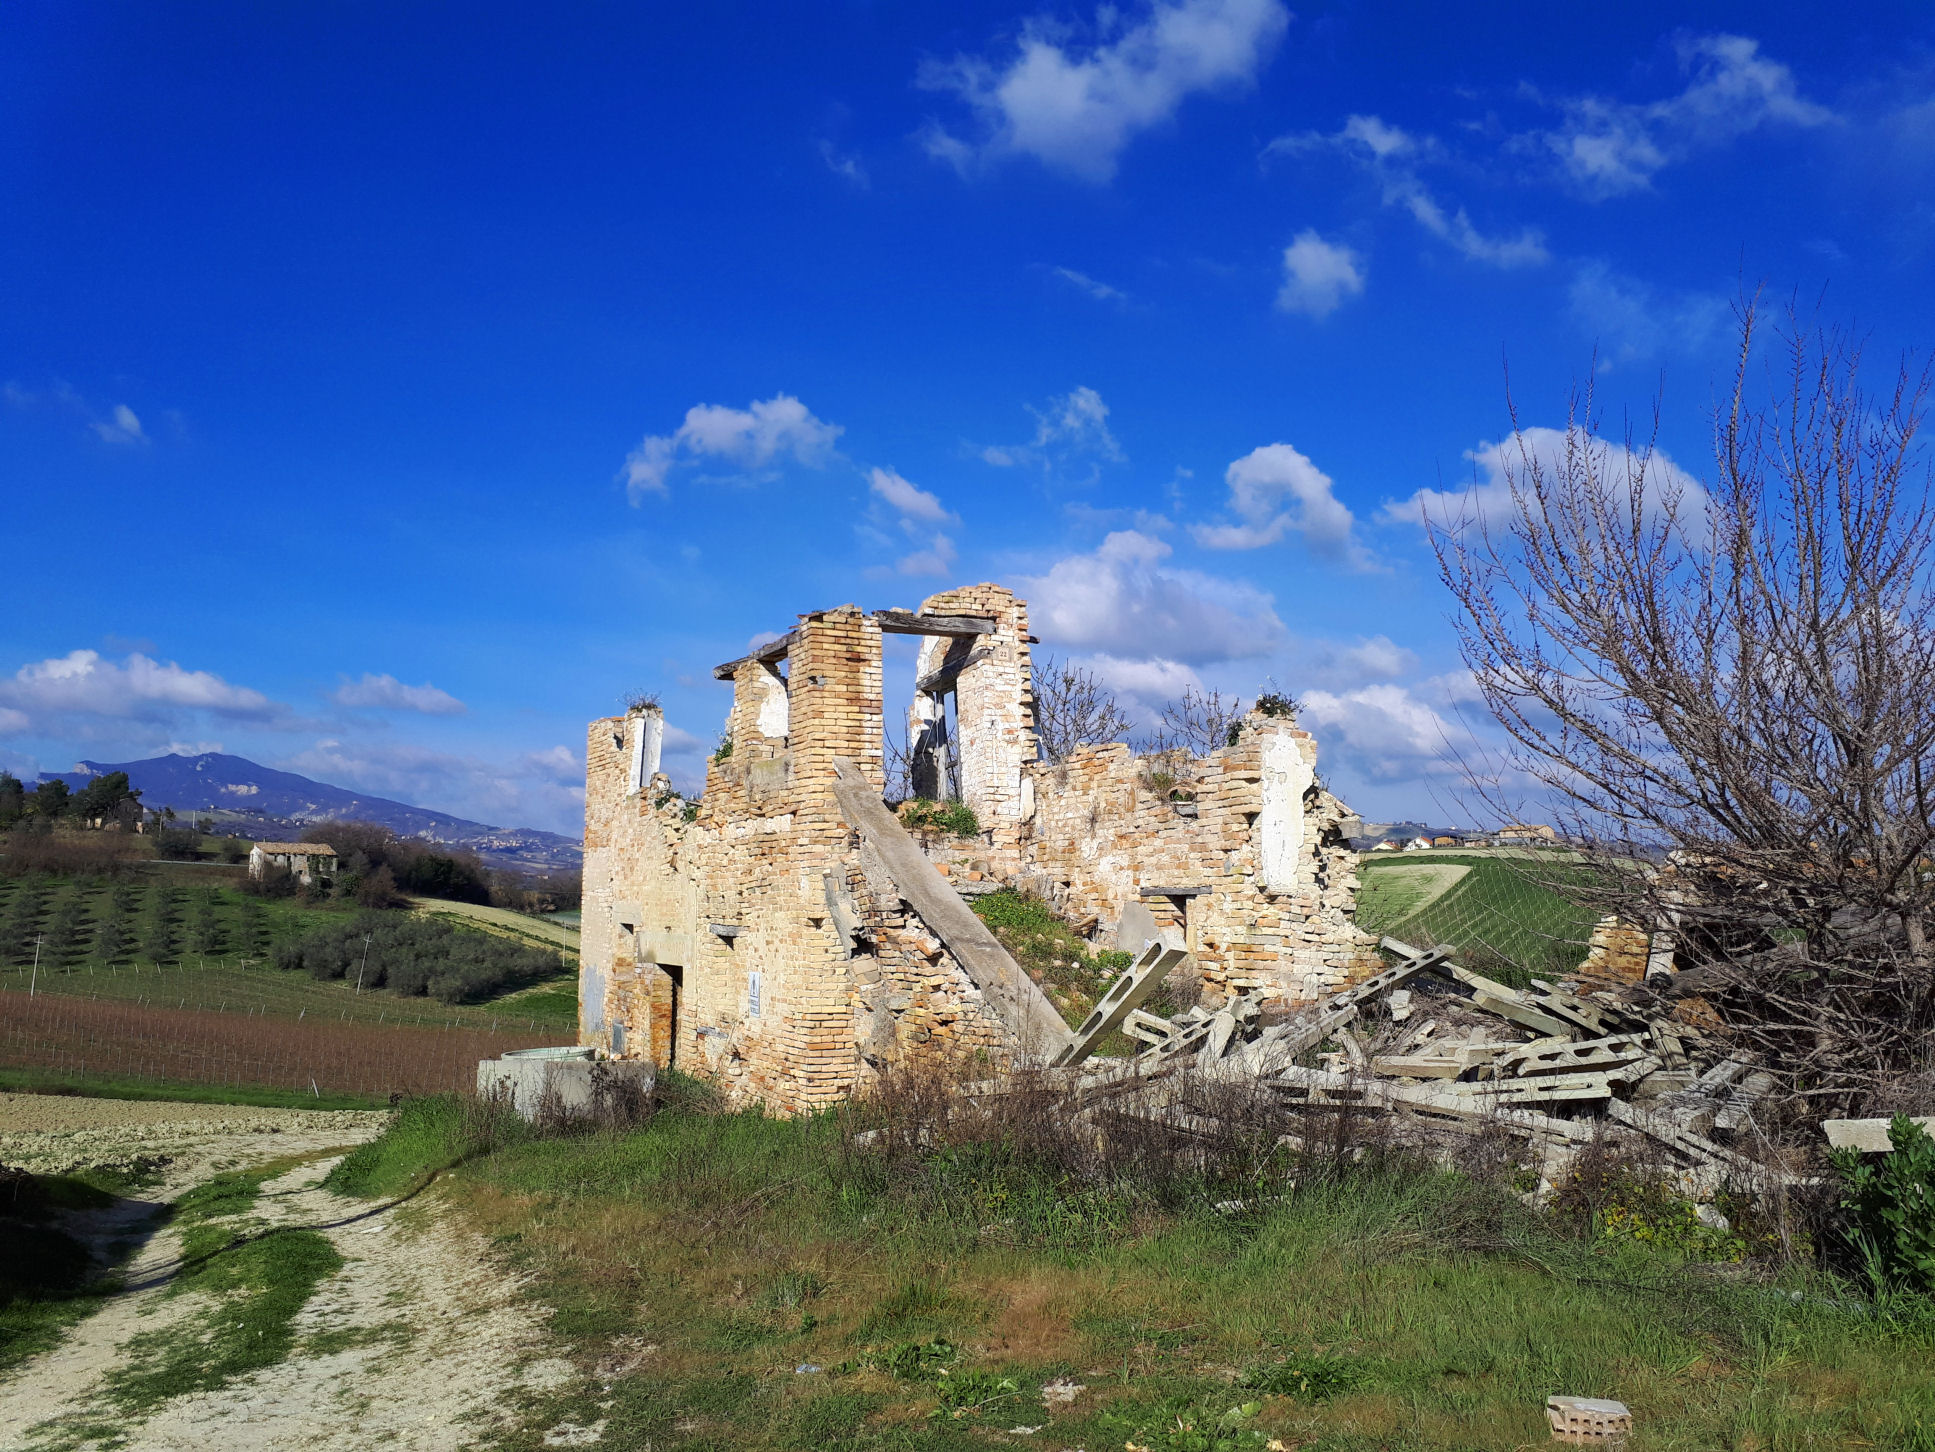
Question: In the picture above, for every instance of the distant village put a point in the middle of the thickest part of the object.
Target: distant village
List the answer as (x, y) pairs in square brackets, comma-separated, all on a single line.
[(1417, 837)]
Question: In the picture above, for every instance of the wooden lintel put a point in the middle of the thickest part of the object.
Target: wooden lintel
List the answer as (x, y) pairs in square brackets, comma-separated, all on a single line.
[(771, 651), (945, 678), (906, 622)]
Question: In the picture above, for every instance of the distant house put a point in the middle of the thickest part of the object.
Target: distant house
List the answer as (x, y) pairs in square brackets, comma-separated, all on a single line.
[(309, 861), (1444, 842), (1522, 833), (1418, 844)]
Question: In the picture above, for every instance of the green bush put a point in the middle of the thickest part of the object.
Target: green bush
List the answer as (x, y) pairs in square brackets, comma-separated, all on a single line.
[(1890, 1200), (955, 819)]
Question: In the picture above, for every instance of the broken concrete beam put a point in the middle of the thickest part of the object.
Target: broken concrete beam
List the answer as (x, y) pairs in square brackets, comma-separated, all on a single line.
[(1418, 1066), (1606, 1053), (1148, 1028), (1016, 999), (1511, 1005), (1124, 996), (1870, 1136), (1733, 1116), (1588, 1421), (1533, 1091), (1431, 1103)]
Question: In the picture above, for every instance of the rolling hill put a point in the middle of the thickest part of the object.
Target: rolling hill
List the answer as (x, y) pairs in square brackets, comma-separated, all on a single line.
[(252, 799)]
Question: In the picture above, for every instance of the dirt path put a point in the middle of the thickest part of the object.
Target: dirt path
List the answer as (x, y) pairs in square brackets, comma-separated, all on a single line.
[(418, 1343)]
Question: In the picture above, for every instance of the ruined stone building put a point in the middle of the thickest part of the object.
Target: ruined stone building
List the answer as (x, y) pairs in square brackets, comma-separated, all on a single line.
[(787, 936)]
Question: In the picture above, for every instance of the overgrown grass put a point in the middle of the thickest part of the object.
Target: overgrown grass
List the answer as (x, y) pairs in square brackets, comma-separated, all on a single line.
[(697, 1264), (1070, 971), (255, 1279)]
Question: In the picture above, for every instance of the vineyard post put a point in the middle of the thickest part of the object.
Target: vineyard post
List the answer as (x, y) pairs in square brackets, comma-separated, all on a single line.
[(34, 981), (365, 963)]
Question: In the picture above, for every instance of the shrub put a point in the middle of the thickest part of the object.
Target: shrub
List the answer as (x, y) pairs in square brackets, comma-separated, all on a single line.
[(416, 956), (96, 854), (955, 819), (1890, 1200), (180, 844)]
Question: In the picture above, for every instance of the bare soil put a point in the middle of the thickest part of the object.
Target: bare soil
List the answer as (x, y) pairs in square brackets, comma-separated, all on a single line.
[(421, 1342)]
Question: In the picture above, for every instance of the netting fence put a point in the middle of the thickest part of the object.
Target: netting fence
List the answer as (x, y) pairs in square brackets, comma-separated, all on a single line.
[(1512, 915)]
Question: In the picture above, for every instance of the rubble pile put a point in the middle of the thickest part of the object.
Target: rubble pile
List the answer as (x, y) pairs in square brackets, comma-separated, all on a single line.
[(1445, 1052)]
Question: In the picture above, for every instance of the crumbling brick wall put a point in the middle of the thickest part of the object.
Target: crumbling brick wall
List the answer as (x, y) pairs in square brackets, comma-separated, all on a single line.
[(751, 937)]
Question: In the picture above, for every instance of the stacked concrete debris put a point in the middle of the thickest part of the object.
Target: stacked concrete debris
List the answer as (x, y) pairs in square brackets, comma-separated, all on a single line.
[(1445, 1052)]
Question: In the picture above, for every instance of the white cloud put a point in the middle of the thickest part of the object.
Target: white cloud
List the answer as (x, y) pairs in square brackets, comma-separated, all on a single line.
[(909, 500), (1072, 427), (83, 681), (1490, 494), (1382, 732), (1275, 489), (1392, 155), (936, 559), (1610, 148), (387, 693), (1629, 319), (1076, 107), (1318, 275), (12, 722), (529, 789), (1121, 601), (121, 427), (1150, 681), (1100, 291), (1373, 658), (843, 166), (747, 440)]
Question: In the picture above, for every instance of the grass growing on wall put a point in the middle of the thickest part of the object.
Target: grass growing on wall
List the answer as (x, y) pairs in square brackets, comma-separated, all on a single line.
[(1070, 970)]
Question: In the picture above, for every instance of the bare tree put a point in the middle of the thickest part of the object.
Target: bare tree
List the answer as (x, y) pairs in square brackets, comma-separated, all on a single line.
[(1073, 707), (1199, 722), (1740, 681)]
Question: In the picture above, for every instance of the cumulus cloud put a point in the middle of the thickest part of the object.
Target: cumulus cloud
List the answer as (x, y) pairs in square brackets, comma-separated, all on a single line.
[(748, 441), (936, 559), (83, 681), (1120, 600), (542, 788), (1075, 106), (1629, 319), (1611, 148), (387, 693), (1318, 275), (1373, 658), (1392, 156), (1276, 489), (1100, 291), (1489, 495), (12, 722), (1382, 732)]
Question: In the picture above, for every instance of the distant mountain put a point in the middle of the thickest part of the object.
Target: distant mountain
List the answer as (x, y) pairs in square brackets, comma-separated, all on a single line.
[(251, 800)]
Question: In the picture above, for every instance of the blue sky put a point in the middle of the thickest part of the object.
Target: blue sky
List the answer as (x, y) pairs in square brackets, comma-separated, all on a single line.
[(388, 389)]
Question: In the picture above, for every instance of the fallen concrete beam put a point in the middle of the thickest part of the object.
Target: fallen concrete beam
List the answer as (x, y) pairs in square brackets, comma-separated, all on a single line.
[(1124, 997), (1870, 1136), (1015, 997)]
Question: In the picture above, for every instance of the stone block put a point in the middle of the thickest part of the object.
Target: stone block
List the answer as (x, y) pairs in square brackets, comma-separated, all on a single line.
[(567, 1080)]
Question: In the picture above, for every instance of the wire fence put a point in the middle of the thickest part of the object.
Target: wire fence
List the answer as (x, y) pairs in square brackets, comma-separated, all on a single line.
[(1511, 915), (142, 1038)]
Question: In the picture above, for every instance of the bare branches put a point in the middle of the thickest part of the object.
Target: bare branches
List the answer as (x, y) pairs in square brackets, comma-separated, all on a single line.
[(1074, 708), (1740, 676), (1198, 723)]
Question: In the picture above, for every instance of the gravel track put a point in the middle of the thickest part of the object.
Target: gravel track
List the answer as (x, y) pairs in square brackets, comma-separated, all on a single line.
[(420, 1343)]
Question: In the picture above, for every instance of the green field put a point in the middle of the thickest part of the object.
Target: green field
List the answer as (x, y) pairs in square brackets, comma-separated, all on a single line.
[(1507, 915), (219, 954)]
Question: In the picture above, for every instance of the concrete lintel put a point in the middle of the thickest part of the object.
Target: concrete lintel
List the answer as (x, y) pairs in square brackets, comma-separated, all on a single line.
[(725, 930), (1173, 891)]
